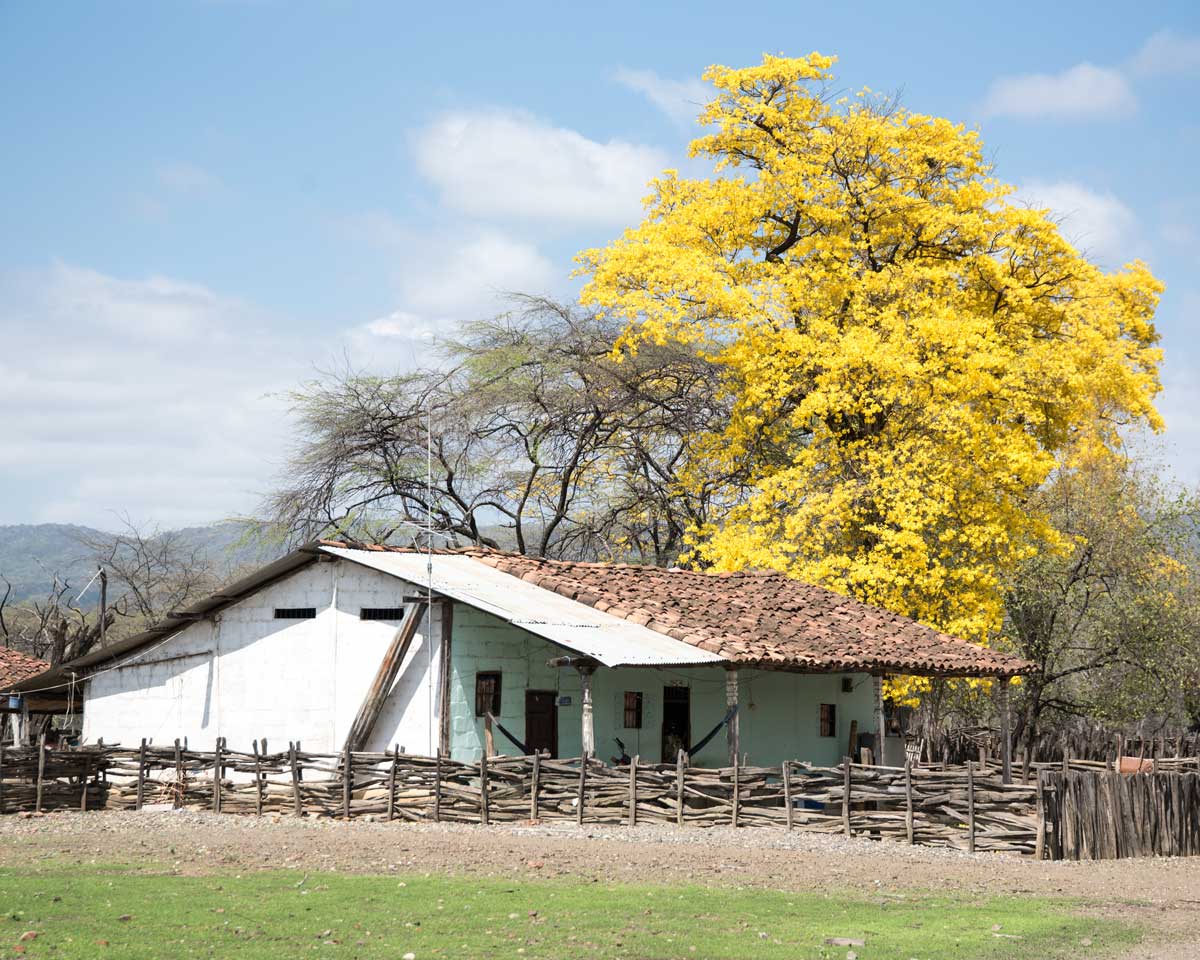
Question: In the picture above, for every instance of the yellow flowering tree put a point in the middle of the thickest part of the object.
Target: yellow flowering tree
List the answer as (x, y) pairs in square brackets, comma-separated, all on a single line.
[(909, 353)]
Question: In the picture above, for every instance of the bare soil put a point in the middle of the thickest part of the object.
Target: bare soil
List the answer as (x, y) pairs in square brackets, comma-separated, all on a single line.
[(1160, 894)]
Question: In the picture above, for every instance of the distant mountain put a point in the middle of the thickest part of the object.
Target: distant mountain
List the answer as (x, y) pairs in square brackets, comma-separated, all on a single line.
[(32, 555)]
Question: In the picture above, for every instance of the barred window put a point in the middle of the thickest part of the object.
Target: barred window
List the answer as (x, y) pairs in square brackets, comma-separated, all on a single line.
[(633, 710), (487, 694), (828, 720), (381, 613), (295, 613)]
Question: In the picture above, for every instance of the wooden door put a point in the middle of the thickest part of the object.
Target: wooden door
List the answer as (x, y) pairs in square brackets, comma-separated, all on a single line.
[(541, 721), (677, 722)]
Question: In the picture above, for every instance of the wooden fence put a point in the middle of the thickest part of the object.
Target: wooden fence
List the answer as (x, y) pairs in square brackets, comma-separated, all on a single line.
[(1068, 815)]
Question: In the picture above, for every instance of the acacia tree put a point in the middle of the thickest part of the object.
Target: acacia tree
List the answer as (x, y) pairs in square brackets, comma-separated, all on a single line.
[(908, 355), (1113, 624), (532, 438)]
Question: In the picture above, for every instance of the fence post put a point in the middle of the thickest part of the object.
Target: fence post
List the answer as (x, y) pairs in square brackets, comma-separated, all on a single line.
[(216, 794), (1, 771), (633, 765), (294, 760), (484, 817), (258, 778), (970, 807), (177, 798), (347, 780), (787, 793), (535, 785), (846, 795), (437, 788), (582, 787), (736, 792), (141, 783), (41, 770), (679, 789), (1039, 848), (908, 800), (391, 804)]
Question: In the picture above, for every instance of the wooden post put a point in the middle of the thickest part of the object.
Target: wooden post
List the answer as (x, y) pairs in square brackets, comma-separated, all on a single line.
[(852, 746), (583, 763), (535, 785), (1, 771), (589, 730), (141, 781), (391, 804), (1039, 848), (258, 779), (846, 795), (347, 780), (489, 738), (385, 676), (484, 816), (297, 808), (216, 784), (731, 728), (177, 799), (444, 665), (877, 685), (970, 806), (736, 792), (633, 765), (437, 788), (1005, 733), (908, 800), (787, 794), (41, 771), (679, 789)]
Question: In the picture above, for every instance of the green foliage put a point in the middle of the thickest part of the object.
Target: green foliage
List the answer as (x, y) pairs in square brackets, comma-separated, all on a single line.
[(89, 912)]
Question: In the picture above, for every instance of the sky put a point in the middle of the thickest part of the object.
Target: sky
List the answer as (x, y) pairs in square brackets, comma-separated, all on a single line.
[(205, 204)]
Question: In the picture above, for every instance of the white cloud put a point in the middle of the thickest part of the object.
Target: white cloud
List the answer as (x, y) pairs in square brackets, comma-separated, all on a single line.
[(1083, 90), (1167, 54), (156, 397), (1098, 223), (681, 100), (510, 164)]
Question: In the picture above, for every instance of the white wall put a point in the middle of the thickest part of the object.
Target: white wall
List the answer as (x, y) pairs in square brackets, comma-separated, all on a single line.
[(245, 675)]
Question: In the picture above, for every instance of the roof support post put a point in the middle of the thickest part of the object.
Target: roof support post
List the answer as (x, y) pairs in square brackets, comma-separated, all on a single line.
[(731, 702), (877, 685), (444, 665), (1005, 730), (589, 728)]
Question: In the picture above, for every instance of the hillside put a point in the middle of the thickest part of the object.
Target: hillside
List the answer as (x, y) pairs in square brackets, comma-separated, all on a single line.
[(32, 555)]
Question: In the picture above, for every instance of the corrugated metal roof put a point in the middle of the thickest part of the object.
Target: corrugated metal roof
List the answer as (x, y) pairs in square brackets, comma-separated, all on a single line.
[(611, 640)]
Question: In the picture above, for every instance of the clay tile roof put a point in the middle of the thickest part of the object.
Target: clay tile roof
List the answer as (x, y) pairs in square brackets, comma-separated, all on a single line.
[(757, 618), (16, 666)]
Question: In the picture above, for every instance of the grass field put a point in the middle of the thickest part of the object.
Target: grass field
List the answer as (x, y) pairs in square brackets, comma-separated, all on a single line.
[(134, 913)]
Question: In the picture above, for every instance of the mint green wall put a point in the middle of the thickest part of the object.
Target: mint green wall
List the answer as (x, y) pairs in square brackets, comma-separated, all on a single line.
[(779, 712)]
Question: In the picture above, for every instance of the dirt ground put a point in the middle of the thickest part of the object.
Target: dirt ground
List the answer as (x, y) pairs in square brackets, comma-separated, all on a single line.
[(1162, 895)]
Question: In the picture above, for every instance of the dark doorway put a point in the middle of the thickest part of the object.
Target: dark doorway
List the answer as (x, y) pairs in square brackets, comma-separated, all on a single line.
[(677, 722), (541, 721)]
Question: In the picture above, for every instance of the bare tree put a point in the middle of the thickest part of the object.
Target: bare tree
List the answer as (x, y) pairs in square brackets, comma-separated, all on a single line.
[(534, 438)]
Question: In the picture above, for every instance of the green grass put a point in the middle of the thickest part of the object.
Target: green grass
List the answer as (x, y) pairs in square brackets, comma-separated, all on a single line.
[(121, 912)]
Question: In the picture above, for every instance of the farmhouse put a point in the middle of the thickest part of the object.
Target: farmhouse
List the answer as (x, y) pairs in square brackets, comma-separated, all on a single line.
[(459, 651), (15, 667)]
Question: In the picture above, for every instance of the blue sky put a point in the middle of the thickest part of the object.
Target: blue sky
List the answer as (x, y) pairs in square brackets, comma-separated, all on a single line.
[(206, 202)]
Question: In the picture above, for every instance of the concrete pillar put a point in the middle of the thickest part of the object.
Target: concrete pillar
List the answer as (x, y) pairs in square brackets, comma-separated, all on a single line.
[(732, 728), (589, 727), (880, 733)]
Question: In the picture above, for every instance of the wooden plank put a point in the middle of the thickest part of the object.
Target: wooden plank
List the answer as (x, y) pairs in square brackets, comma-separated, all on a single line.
[(535, 786), (970, 807), (141, 777), (484, 813), (216, 784), (846, 795), (391, 801), (297, 808), (258, 779), (736, 794), (633, 765), (908, 800), (177, 798), (787, 795), (385, 676), (347, 780), (437, 789), (41, 771), (679, 797), (1039, 850), (583, 764), (444, 664)]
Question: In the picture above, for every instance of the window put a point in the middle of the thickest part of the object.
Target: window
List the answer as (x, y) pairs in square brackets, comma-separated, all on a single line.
[(633, 710), (828, 720), (487, 694), (381, 613), (847, 684), (295, 613)]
